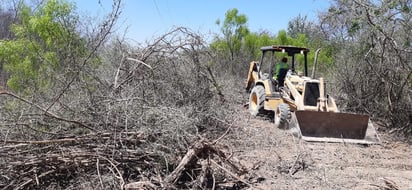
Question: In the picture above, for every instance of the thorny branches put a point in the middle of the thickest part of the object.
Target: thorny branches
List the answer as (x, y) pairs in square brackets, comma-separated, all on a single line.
[(159, 101), (373, 67), (106, 28)]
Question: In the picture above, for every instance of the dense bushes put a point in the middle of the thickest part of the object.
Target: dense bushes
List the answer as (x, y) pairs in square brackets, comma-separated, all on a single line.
[(373, 68), (133, 111)]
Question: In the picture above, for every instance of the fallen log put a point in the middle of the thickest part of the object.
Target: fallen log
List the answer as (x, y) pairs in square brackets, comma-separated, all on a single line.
[(190, 156), (202, 150)]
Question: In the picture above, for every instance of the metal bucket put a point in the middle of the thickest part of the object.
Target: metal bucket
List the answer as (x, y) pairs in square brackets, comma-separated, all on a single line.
[(335, 127)]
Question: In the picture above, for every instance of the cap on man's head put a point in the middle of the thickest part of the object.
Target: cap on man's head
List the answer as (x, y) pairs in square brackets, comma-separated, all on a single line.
[(284, 59)]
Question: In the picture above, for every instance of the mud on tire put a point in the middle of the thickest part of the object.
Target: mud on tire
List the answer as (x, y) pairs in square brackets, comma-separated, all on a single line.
[(256, 99)]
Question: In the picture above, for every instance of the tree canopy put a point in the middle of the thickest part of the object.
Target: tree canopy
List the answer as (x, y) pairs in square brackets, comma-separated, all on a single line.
[(45, 44)]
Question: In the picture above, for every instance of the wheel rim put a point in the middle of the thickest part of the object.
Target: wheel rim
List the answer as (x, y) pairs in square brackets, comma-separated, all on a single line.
[(277, 116), (253, 102)]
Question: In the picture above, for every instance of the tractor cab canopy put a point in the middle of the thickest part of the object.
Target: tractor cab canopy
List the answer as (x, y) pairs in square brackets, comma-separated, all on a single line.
[(290, 50)]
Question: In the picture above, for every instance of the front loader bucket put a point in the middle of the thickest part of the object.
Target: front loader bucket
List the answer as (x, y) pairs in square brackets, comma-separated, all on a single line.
[(335, 127)]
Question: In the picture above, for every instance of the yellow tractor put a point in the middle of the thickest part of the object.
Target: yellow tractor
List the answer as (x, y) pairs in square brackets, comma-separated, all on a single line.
[(300, 103)]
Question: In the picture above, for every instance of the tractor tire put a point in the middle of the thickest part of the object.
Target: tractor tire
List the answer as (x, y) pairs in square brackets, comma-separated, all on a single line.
[(282, 116), (256, 99)]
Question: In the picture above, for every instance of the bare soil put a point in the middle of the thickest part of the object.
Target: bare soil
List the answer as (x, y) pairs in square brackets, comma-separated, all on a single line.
[(279, 160)]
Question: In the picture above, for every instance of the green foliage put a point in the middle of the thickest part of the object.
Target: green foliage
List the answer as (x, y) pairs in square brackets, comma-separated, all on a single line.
[(301, 32), (282, 38), (45, 39), (234, 29), (234, 23), (253, 42)]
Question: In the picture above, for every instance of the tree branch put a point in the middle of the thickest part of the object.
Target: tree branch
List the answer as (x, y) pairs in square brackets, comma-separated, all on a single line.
[(46, 112)]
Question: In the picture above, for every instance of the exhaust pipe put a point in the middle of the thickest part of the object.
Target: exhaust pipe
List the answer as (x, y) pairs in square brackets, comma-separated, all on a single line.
[(315, 62)]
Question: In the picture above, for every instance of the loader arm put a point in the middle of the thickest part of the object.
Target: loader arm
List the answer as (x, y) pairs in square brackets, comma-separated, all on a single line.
[(295, 93), (253, 75), (322, 102)]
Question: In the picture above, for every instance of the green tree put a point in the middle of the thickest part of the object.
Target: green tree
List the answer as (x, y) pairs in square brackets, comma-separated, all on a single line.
[(234, 29), (6, 20), (46, 44), (283, 39), (309, 34), (254, 41)]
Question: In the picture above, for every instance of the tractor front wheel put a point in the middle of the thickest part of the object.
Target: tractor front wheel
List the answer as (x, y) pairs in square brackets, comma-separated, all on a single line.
[(282, 116)]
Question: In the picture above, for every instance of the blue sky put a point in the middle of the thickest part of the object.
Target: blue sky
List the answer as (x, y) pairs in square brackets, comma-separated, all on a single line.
[(146, 19)]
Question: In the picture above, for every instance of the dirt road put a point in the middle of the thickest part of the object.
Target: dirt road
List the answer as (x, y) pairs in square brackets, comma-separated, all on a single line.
[(280, 161)]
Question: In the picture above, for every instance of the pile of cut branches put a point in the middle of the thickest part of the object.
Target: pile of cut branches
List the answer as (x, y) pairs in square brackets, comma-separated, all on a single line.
[(113, 160), (139, 119)]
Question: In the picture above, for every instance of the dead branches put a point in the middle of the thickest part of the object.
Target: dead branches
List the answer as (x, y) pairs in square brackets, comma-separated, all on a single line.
[(33, 164), (389, 185), (199, 150), (45, 111), (143, 122), (373, 70), (199, 161)]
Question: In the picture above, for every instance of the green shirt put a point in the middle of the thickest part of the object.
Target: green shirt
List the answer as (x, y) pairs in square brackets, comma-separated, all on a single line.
[(281, 65)]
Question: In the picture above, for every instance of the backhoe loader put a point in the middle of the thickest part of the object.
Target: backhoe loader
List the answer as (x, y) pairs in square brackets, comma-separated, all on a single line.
[(300, 103)]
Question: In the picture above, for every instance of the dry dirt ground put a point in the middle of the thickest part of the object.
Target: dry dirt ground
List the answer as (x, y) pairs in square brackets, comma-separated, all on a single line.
[(279, 160)]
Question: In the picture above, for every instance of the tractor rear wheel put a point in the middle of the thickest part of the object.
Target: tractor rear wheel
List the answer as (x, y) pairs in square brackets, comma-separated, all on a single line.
[(256, 99), (282, 116)]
